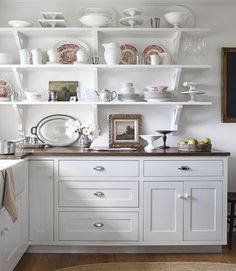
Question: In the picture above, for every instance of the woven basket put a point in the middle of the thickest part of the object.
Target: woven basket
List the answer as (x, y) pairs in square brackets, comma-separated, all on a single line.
[(194, 147)]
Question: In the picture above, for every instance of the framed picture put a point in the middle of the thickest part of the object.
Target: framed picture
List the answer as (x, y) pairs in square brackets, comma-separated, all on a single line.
[(228, 96), (124, 130), (64, 89)]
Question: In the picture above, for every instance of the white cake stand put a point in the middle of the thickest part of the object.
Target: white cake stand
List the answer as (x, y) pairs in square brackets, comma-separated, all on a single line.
[(150, 140), (131, 21)]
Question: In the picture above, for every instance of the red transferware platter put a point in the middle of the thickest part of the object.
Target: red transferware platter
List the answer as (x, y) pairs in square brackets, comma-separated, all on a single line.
[(129, 53), (152, 50), (68, 48)]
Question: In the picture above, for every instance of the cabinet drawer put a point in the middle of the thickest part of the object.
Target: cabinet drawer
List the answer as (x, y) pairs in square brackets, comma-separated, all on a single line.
[(98, 226), (182, 168), (97, 168), (98, 194)]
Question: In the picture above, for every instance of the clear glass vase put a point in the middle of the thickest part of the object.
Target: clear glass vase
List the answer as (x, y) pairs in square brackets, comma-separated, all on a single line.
[(84, 142)]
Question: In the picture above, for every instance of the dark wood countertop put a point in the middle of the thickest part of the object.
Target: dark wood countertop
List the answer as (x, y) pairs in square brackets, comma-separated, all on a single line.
[(75, 151)]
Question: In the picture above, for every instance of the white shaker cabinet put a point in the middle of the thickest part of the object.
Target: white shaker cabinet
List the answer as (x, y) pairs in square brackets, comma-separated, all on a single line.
[(188, 211), (14, 236), (163, 215), (41, 200)]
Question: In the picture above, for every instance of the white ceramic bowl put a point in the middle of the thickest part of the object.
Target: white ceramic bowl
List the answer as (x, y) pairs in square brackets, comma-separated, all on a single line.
[(150, 137), (6, 58), (176, 18), (96, 20), (19, 23)]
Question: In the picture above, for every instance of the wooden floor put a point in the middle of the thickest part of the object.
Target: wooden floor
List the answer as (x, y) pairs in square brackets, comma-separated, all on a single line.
[(49, 262)]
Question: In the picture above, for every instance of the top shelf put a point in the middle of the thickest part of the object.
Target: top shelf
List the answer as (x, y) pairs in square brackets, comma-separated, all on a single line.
[(34, 32)]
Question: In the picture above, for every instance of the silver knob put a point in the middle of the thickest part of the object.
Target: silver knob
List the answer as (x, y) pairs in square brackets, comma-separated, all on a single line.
[(99, 194), (180, 196), (98, 225), (99, 168), (184, 168), (187, 196)]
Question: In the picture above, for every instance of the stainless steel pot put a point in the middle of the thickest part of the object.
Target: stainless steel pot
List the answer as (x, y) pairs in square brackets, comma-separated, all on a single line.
[(9, 146)]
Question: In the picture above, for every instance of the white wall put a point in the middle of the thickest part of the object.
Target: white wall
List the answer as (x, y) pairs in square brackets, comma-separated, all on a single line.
[(199, 122)]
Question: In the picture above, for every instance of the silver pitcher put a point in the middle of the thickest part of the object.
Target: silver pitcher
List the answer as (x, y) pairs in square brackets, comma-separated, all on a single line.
[(107, 95)]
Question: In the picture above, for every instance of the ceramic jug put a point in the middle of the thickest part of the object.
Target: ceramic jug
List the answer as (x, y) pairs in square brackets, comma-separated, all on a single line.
[(155, 59), (82, 55), (37, 56), (53, 55), (112, 53), (165, 59), (25, 56), (107, 95)]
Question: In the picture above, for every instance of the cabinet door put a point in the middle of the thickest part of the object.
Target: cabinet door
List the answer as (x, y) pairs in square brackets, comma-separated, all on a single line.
[(11, 250), (41, 200), (203, 210), (163, 211)]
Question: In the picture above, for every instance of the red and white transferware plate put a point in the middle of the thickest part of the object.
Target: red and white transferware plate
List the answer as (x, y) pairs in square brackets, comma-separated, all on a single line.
[(68, 48), (152, 50), (129, 53)]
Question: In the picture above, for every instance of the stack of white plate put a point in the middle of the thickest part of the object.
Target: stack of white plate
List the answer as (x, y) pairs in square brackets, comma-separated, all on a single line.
[(52, 19), (127, 93), (156, 96)]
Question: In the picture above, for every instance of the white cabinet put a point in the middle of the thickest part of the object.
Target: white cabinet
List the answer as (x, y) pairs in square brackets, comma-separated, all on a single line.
[(163, 211), (14, 236), (190, 211), (203, 210), (41, 200)]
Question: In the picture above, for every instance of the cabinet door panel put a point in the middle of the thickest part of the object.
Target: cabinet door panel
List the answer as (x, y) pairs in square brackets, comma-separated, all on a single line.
[(163, 211), (41, 200), (203, 210)]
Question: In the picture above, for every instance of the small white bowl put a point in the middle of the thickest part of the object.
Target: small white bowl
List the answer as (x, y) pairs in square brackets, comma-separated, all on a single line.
[(6, 58), (19, 23), (176, 18), (96, 20)]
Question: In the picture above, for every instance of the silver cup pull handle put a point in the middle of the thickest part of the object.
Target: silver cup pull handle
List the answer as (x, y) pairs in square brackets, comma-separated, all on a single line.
[(99, 194), (99, 168), (184, 168), (98, 225)]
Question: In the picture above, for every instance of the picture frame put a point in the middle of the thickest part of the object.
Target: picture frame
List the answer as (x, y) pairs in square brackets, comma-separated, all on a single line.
[(228, 88), (124, 130), (65, 89)]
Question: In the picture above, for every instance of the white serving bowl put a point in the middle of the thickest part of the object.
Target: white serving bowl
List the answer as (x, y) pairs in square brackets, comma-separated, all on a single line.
[(19, 23), (6, 58), (176, 18), (96, 20)]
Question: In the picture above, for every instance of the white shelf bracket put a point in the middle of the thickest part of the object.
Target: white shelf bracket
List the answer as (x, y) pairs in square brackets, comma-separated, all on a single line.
[(20, 39), (95, 114), (176, 117), (176, 80), (19, 113), (177, 39), (19, 78)]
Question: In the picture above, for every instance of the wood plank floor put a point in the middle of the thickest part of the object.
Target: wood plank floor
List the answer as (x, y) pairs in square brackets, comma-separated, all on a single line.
[(49, 262)]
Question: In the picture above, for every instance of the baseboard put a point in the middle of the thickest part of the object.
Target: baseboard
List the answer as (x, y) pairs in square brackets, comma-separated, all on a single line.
[(125, 249)]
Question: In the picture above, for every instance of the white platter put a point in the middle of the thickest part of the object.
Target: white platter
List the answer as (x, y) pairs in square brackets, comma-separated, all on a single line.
[(52, 131)]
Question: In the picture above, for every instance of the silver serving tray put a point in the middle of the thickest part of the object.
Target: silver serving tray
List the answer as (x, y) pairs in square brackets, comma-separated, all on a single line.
[(51, 131)]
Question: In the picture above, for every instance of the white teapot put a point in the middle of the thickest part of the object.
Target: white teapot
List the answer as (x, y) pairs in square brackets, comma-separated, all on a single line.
[(112, 53), (107, 95)]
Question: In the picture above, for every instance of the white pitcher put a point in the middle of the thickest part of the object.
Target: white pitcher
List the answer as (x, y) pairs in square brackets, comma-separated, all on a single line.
[(112, 53), (37, 56), (53, 55), (25, 56), (165, 58)]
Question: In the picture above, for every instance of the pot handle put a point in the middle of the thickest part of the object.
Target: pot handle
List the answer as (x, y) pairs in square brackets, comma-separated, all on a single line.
[(33, 131)]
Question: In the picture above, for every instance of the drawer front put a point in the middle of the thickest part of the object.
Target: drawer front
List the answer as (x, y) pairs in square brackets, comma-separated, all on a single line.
[(183, 168), (98, 194), (98, 168), (98, 226)]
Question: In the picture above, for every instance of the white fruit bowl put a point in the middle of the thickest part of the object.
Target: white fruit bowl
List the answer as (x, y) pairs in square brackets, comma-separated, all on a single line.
[(150, 140), (176, 18), (96, 20)]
